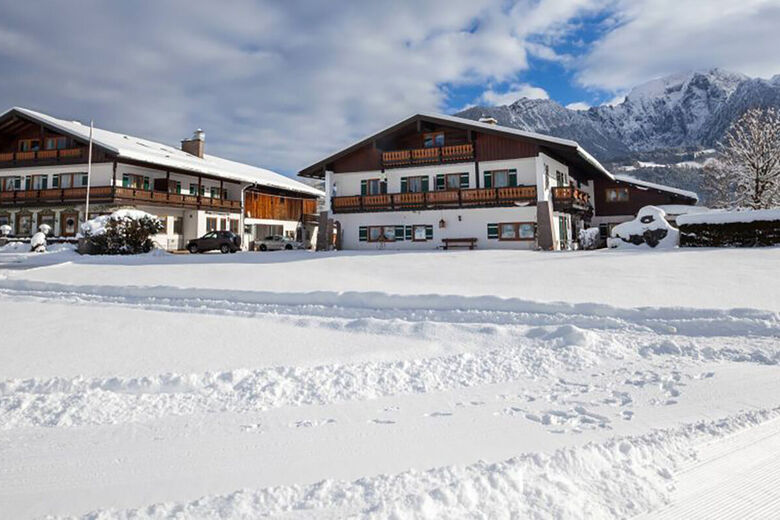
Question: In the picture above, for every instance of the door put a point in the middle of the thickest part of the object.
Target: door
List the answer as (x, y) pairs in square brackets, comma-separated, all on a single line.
[(69, 224)]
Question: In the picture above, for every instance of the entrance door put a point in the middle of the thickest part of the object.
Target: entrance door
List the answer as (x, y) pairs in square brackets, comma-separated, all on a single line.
[(23, 224), (69, 223)]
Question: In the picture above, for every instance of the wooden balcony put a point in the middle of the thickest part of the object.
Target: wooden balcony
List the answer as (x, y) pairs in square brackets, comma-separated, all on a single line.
[(423, 156), (109, 194), (570, 200), (46, 156), (483, 197)]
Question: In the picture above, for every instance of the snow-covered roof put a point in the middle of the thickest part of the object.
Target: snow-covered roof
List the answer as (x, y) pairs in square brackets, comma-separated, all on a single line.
[(151, 152), (662, 187), (725, 216), (486, 126), (681, 209)]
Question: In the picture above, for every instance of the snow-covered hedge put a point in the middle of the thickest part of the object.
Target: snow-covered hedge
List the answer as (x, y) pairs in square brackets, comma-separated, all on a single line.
[(649, 228), (124, 232), (590, 238), (747, 228)]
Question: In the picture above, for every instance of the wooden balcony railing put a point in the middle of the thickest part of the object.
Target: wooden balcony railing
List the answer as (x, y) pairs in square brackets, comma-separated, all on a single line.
[(568, 199), (112, 194), (435, 199), (400, 158), (41, 155)]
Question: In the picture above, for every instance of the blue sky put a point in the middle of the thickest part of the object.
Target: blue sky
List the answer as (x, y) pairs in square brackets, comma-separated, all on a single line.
[(280, 84)]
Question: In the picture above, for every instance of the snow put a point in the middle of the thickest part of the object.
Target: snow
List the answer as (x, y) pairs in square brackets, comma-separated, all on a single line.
[(38, 241), (682, 209), (587, 384), (97, 225), (726, 216), (648, 220), (662, 187), (135, 148)]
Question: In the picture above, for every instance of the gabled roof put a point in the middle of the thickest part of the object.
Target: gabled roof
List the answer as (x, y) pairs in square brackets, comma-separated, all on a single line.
[(165, 156), (567, 148), (661, 187)]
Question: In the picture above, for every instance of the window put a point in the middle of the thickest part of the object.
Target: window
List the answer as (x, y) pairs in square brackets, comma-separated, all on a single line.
[(617, 194), (211, 224), (29, 145), (452, 181), (56, 143), (214, 192), (414, 184), (11, 183), (174, 187), (137, 182), (560, 178), (433, 139), (48, 219), (381, 233), (178, 225), (512, 231), (212, 234), (372, 187), (224, 194), (40, 182), (234, 225), (193, 189), (500, 178), (419, 234)]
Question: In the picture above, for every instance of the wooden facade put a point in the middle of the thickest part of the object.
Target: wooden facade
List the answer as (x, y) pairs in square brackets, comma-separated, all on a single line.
[(638, 197), (268, 206)]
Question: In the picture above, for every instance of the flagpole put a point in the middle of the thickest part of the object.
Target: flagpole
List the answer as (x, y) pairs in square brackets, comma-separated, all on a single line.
[(89, 171)]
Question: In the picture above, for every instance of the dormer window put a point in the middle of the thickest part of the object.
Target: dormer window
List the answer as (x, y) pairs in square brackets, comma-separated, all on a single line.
[(433, 139)]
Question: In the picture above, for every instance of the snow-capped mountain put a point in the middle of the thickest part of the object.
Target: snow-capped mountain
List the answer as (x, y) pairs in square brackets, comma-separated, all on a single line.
[(688, 111), (663, 130)]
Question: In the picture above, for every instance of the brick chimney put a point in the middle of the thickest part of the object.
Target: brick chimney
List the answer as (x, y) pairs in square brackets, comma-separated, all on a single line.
[(195, 145)]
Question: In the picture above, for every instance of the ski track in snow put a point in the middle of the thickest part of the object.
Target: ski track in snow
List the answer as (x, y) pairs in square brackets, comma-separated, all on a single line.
[(621, 477), (587, 338)]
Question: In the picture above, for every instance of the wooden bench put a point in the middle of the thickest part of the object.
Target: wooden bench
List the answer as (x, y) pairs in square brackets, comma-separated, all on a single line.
[(471, 243)]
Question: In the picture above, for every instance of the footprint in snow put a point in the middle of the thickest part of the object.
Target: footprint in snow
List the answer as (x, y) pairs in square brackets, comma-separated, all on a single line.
[(381, 421), (310, 423), (438, 414)]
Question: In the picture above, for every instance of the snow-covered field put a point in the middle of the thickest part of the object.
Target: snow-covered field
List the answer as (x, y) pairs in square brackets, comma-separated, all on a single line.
[(485, 384)]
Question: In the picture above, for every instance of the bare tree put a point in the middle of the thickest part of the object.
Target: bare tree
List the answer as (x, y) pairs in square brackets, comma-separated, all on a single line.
[(747, 173)]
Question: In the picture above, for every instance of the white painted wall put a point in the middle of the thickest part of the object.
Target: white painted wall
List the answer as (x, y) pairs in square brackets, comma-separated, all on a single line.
[(546, 178), (472, 223)]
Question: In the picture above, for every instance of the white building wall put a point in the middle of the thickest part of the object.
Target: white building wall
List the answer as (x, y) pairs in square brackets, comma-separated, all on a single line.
[(459, 223)]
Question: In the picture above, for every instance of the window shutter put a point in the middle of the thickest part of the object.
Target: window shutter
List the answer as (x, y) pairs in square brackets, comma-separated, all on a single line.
[(440, 182), (364, 187), (428, 232), (27, 183), (55, 181), (513, 177), (409, 232), (146, 183), (424, 183), (464, 181), (488, 180), (362, 233), (178, 187), (399, 232), (492, 230), (44, 182), (17, 183), (404, 184), (382, 187)]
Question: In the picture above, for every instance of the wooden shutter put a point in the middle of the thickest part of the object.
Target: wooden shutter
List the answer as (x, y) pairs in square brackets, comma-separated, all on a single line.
[(464, 181), (364, 187), (488, 180), (399, 232), (17, 183), (424, 184), (363, 233), (382, 187), (55, 181), (440, 182), (513, 177), (428, 232), (27, 182), (492, 230), (404, 184), (409, 232)]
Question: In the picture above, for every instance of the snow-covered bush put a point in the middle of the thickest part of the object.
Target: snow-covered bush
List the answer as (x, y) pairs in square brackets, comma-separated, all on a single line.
[(38, 240), (747, 228), (124, 232), (590, 238), (5, 230), (648, 228)]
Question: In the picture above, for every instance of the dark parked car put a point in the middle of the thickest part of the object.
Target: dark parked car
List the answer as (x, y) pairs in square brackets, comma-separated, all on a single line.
[(225, 241)]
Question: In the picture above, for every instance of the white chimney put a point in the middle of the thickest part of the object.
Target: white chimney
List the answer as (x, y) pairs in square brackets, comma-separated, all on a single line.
[(488, 120)]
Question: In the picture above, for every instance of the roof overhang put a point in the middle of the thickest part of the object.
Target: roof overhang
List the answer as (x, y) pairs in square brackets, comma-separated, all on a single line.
[(565, 148)]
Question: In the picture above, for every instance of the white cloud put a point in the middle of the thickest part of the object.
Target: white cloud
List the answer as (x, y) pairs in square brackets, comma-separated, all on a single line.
[(515, 92), (579, 105), (660, 37), (273, 83)]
